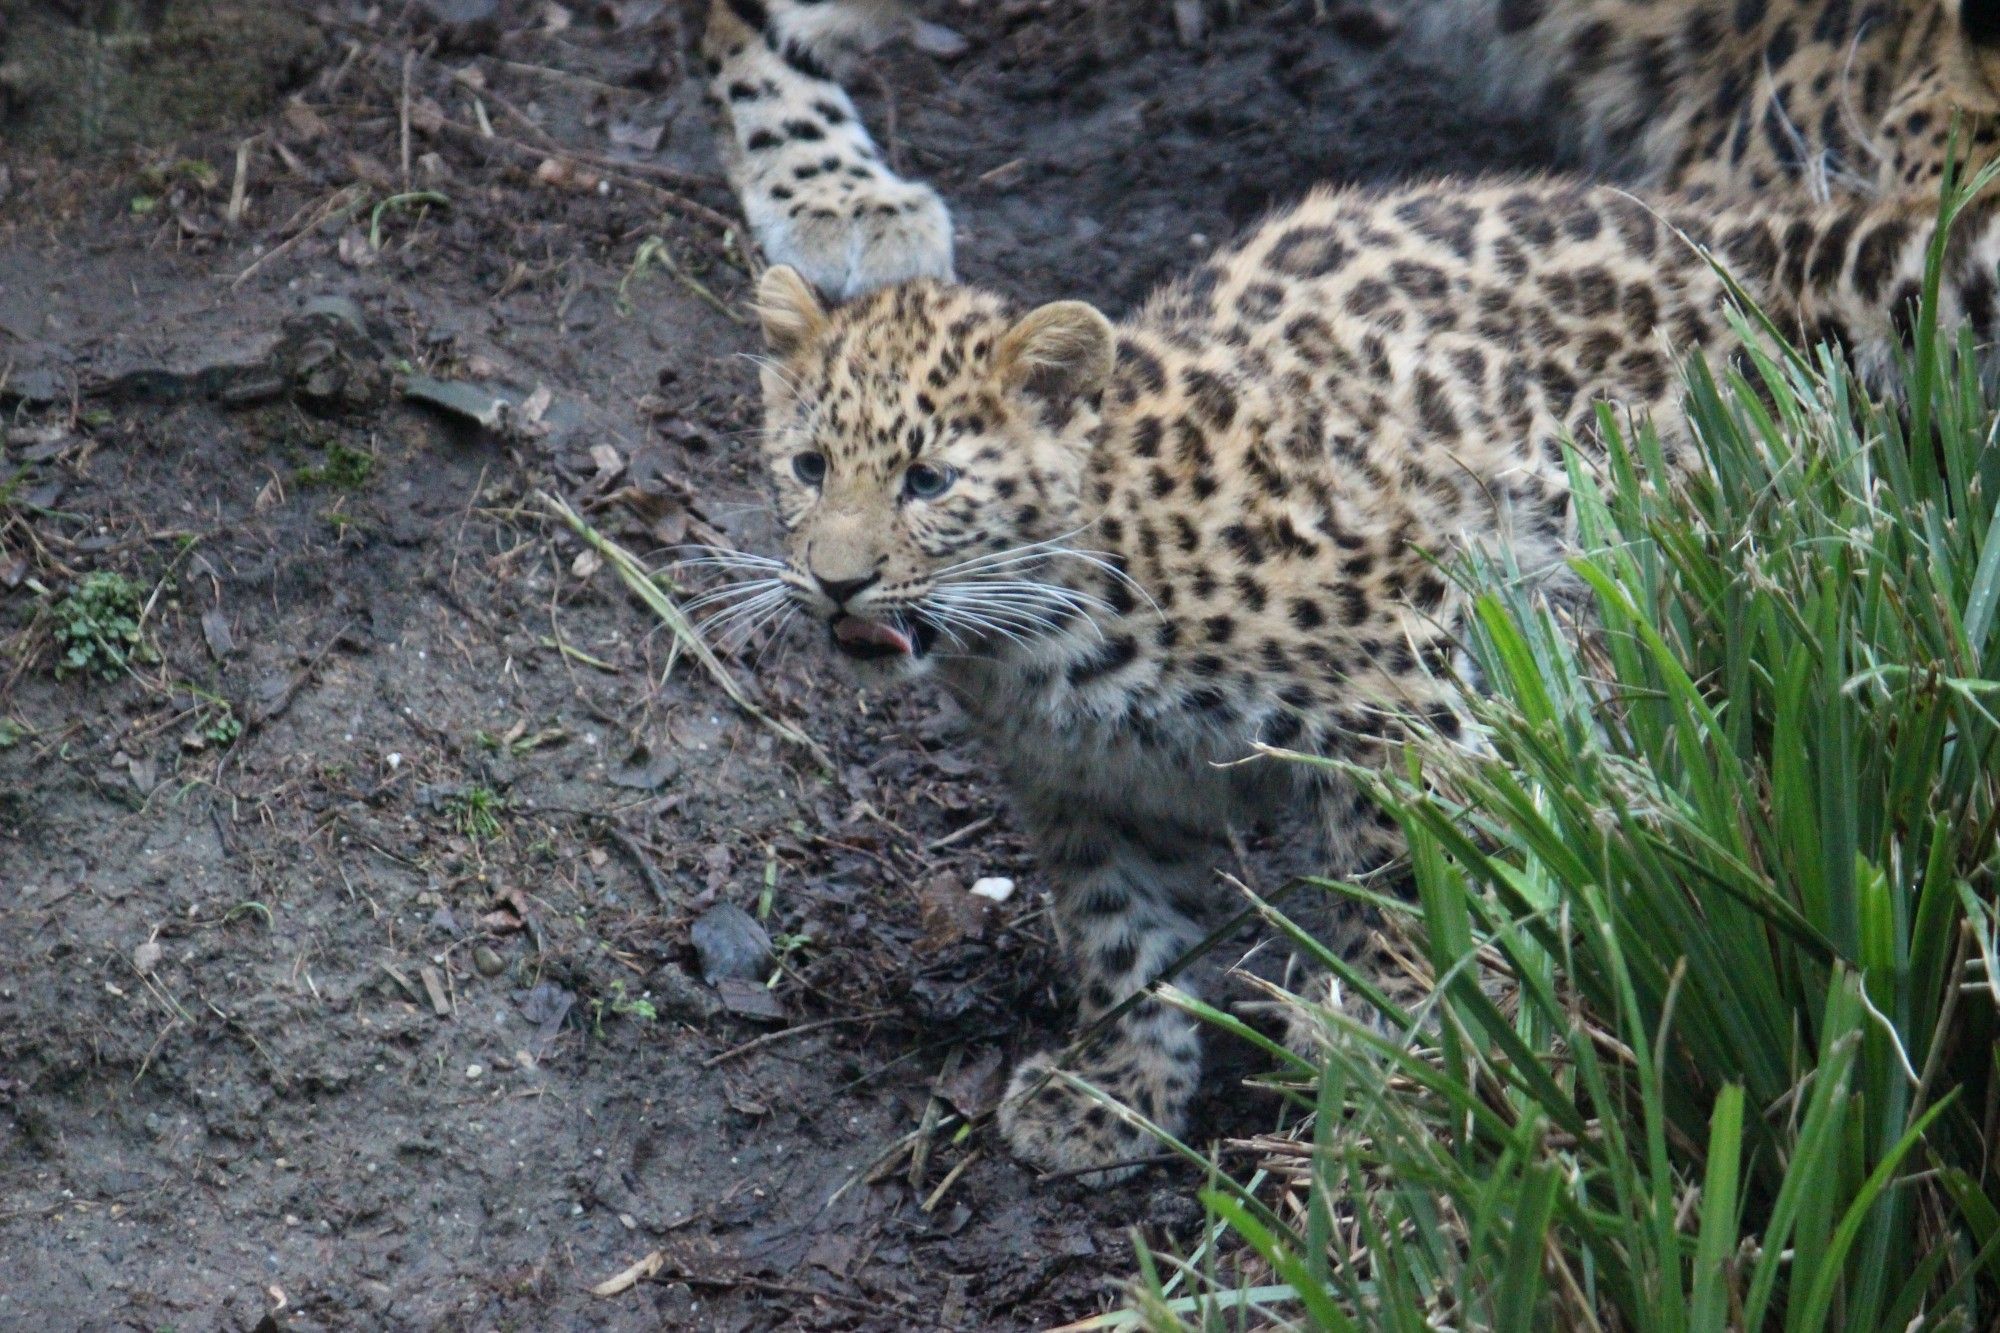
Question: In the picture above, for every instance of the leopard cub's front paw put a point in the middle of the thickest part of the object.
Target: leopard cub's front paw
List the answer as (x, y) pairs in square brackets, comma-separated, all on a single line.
[(1054, 1125)]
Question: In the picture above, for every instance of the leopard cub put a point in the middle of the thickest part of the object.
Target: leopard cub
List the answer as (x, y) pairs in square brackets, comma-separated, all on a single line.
[(1137, 551)]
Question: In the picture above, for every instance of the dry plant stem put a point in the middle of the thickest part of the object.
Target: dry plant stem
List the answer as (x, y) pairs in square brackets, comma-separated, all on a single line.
[(686, 636)]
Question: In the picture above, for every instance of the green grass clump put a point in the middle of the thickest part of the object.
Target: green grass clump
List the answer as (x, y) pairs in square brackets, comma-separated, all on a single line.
[(476, 812), (97, 626), (1732, 857), (344, 469)]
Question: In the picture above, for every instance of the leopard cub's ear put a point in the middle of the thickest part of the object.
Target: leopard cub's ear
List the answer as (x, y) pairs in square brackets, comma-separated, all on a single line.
[(790, 311), (1060, 351)]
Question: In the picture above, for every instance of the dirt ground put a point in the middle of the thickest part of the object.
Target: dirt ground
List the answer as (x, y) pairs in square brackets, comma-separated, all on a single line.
[(347, 974)]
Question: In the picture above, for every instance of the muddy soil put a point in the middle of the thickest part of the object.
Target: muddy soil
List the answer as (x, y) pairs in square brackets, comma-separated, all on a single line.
[(348, 974)]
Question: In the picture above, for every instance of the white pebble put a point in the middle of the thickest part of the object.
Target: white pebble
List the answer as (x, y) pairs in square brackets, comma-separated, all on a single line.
[(475, 1072), (997, 888)]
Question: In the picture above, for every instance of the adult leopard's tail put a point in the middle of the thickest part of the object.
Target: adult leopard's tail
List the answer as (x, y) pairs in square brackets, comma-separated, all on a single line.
[(1851, 274), (814, 189)]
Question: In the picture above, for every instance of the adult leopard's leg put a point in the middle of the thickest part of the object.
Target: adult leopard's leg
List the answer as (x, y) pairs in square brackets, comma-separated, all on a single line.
[(813, 187), (1126, 908)]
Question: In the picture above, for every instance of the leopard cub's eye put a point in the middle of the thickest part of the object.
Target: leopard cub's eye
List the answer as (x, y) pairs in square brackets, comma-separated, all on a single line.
[(925, 482), (809, 468)]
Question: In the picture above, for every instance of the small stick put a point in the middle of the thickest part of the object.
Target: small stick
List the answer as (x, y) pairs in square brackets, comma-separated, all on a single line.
[(950, 1179), (344, 197), (564, 76), (647, 871), (239, 191), (920, 1151), (629, 172), (958, 835), (1070, 1173), (771, 1038), (526, 122), (409, 60)]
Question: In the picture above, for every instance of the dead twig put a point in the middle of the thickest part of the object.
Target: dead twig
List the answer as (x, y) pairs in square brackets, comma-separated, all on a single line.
[(629, 172), (239, 189), (347, 196), (950, 1179), (772, 1038), (409, 61), (920, 1151), (959, 835), (642, 863), (1070, 1173)]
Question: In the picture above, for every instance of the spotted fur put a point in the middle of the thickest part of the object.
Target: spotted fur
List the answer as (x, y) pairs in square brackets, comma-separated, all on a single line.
[(1737, 95), (812, 184), (1136, 553)]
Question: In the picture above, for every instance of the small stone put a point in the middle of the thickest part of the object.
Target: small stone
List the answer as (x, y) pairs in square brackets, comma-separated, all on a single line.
[(731, 943), (934, 39), (473, 1073), (488, 961), (994, 888)]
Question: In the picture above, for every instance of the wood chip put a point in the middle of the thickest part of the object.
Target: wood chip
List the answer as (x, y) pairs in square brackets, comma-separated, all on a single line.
[(750, 999), (632, 1276), (434, 987)]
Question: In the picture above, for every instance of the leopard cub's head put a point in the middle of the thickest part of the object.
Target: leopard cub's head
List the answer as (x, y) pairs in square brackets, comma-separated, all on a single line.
[(929, 448)]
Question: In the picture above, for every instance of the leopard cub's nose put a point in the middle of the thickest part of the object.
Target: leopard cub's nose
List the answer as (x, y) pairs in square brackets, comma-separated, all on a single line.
[(840, 590)]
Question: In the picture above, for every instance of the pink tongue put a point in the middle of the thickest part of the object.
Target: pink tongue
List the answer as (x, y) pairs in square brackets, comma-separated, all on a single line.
[(853, 629)]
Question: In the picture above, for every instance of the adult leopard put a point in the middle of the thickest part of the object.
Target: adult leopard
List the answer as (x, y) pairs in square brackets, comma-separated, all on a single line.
[(1734, 97)]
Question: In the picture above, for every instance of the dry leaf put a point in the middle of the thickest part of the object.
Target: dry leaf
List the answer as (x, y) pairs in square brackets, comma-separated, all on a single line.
[(609, 463)]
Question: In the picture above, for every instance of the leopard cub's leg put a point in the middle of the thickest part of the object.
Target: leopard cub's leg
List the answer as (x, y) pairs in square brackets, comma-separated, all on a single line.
[(812, 186), (1124, 907)]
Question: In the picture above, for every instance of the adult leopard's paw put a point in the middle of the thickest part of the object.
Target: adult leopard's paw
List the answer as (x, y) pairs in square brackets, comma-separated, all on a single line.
[(875, 233)]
